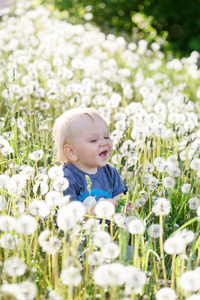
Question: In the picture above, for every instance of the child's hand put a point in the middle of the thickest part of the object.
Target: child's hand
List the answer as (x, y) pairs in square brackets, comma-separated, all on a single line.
[(114, 201), (130, 207)]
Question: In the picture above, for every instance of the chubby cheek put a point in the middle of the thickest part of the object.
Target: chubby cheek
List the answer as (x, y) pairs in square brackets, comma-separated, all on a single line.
[(110, 146)]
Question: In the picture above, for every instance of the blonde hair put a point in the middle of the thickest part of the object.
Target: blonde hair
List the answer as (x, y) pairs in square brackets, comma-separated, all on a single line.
[(62, 129)]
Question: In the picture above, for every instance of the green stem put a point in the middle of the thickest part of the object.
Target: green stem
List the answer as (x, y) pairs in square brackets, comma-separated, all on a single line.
[(136, 251), (162, 249), (173, 270)]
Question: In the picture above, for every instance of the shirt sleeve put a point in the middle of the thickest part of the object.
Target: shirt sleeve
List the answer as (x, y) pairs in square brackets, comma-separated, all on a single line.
[(73, 188), (118, 185)]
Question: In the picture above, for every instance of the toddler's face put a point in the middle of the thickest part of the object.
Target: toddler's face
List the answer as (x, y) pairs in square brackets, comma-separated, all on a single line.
[(92, 144)]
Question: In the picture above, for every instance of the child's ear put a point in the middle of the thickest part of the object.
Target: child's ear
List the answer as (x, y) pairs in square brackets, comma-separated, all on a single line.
[(70, 153)]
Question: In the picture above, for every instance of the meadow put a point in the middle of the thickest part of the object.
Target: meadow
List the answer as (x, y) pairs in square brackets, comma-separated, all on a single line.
[(150, 100)]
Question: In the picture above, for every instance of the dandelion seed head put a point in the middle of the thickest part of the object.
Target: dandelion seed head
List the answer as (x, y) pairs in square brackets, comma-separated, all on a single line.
[(166, 293), (52, 246), (26, 290), (160, 130), (40, 187), (2, 203), (8, 241), (7, 150), (173, 171), (44, 236), (19, 207), (104, 209), (187, 235), (159, 162), (16, 184), (95, 258), (71, 276), (173, 159), (153, 183), (26, 225), (110, 251), (39, 208), (183, 155), (190, 281), (141, 201), (186, 188), (154, 231), (136, 226), (110, 274), (63, 201), (148, 167), (14, 267), (55, 172), (53, 198), (10, 289), (161, 206), (101, 238), (3, 143), (42, 177), (146, 179), (192, 154), (168, 182), (174, 245), (195, 164), (193, 203), (4, 180), (70, 214), (54, 296), (92, 225), (60, 184), (27, 172), (194, 297), (119, 220), (7, 223), (36, 155), (135, 278)]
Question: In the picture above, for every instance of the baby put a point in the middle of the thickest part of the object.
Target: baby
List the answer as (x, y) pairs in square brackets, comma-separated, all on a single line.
[(83, 144)]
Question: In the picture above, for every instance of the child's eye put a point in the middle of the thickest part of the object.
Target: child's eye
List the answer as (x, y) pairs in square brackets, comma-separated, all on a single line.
[(106, 137), (93, 141)]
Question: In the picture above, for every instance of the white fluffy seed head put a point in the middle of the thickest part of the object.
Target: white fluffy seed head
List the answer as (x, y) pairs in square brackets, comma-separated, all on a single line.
[(101, 238), (190, 281), (174, 245), (166, 293), (136, 227), (104, 209)]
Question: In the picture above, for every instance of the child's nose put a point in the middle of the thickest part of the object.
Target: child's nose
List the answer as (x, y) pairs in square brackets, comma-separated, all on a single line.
[(103, 142)]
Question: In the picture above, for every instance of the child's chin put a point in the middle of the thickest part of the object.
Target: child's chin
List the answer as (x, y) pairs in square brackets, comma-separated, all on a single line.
[(104, 163)]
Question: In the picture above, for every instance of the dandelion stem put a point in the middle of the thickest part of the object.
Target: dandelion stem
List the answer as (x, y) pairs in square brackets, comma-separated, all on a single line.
[(136, 251), (28, 250), (173, 270), (183, 261), (55, 269), (162, 249), (70, 292)]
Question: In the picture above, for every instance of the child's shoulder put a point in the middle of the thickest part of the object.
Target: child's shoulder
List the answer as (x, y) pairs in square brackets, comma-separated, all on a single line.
[(68, 171), (111, 168)]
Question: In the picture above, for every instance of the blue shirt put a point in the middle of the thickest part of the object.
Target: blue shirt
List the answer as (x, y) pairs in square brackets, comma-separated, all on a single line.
[(106, 183)]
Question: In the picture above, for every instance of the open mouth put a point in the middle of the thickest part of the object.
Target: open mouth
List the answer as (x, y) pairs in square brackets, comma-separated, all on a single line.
[(103, 154)]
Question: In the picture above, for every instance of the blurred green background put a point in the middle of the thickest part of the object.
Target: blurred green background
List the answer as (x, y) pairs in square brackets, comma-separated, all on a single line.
[(175, 24)]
